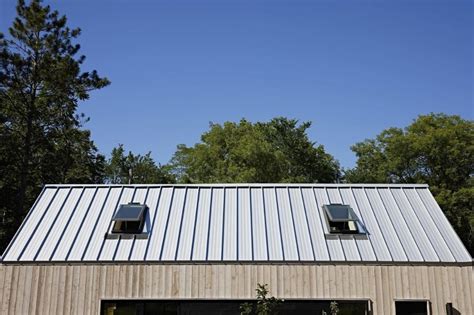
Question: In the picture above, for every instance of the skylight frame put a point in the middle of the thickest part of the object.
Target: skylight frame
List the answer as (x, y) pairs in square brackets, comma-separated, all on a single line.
[(120, 224), (333, 223)]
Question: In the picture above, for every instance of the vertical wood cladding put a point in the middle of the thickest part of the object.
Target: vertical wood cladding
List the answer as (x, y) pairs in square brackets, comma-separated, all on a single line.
[(78, 289)]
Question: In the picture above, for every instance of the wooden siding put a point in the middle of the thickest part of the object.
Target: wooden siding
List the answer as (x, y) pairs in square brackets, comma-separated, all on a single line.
[(78, 289)]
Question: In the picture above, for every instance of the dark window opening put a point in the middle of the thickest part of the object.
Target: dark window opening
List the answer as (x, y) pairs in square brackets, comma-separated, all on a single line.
[(341, 219), (216, 307), (129, 219), (411, 307), (343, 227), (127, 227)]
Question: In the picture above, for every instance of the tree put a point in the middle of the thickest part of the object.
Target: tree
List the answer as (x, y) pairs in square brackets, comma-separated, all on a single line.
[(41, 135), (136, 169), (264, 305), (435, 149), (274, 151)]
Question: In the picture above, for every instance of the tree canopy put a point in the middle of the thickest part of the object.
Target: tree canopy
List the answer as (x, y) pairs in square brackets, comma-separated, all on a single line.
[(274, 151), (132, 168), (436, 149), (41, 135)]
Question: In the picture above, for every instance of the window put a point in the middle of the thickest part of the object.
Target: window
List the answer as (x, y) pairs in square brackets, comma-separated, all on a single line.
[(341, 219), (411, 307), (225, 307), (129, 219)]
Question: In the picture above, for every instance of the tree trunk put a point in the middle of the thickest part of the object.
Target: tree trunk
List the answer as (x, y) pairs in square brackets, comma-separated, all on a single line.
[(25, 169)]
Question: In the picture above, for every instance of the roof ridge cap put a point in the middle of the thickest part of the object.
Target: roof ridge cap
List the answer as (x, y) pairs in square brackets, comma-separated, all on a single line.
[(269, 185)]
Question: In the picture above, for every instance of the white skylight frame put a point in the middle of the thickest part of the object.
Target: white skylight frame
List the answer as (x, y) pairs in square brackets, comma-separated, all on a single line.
[(120, 221), (354, 225)]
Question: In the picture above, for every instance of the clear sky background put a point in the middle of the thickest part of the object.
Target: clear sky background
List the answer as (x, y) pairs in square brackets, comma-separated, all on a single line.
[(353, 68)]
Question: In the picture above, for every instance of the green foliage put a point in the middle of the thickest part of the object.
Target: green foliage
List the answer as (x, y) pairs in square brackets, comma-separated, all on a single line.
[(436, 149), (41, 135), (264, 305), (274, 151), (135, 169), (334, 308)]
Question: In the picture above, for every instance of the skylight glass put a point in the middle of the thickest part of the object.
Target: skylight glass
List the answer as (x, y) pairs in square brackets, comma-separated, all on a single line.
[(129, 212), (337, 212)]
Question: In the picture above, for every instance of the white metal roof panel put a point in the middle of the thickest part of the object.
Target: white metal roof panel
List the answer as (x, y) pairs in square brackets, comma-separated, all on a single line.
[(416, 229), (155, 238), (214, 243), (290, 242), (71, 229), (244, 224), (237, 222), (400, 226), (316, 230), (86, 226), (301, 221), (31, 223), (201, 232), (230, 229), (55, 233), (386, 227), (188, 223), (41, 231), (431, 229), (275, 239)]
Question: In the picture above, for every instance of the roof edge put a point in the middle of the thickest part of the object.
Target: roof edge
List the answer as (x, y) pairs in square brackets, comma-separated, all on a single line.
[(242, 262), (270, 185)]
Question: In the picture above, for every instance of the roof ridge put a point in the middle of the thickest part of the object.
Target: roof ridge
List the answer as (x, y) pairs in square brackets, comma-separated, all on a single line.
[(342, 185)]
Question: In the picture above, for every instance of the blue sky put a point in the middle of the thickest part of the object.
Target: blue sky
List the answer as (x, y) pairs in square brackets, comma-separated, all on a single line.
[(353, 68)]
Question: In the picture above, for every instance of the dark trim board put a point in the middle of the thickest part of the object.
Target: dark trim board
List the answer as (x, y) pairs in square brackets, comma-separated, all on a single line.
[(224, 262)]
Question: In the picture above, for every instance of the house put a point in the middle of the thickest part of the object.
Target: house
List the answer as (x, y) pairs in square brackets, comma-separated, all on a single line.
[(192, 249)]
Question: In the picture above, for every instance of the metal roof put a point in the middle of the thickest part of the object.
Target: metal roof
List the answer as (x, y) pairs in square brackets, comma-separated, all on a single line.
[(237, 222)]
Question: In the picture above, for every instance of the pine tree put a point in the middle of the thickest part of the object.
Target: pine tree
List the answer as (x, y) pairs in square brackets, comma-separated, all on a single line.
[(41, 135)]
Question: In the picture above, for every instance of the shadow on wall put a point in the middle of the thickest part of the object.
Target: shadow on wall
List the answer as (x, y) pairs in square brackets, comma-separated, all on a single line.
[(450, 310)]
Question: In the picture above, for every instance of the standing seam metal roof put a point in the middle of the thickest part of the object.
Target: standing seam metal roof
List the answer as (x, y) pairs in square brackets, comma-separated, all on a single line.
[(237, 222)]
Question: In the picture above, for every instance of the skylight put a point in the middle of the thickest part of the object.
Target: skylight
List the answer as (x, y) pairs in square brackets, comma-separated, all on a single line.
[(129, 218), (341, 219)]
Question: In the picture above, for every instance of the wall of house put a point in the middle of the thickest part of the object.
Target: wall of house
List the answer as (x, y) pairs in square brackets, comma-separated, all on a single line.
[(78, 289)]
